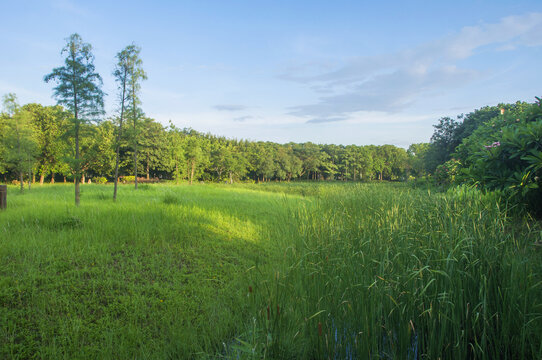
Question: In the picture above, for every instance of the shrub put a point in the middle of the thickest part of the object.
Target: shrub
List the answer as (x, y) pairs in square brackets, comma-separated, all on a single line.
[(446, 173), (128, 179), (99, 180), (506, 154)]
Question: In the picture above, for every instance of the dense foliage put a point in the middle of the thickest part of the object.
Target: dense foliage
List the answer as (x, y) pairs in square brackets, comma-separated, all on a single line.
[(185, 154), (498, 148)]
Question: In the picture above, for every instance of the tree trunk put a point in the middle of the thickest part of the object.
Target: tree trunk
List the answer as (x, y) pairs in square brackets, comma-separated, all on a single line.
[(148, 167), (52, 178), (77, 165), (231, 178), (135, 165), (119, 136), (21, 180), (192, 171), (83, 178), (135, 137), (42, 178)]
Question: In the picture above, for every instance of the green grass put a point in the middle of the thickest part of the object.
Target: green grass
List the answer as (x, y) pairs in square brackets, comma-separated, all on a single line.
[(155, 275), (267, 271)]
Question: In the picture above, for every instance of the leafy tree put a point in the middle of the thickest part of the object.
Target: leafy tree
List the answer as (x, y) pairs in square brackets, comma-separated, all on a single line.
[(365, 160), (153, 146), (49, 123), (263, 160), (348, 162), (79, 90), (443, 143), (235, 164), (310, 156), (330, 160), (18, 139), (100, 157), (290, 165), (176, 152), (416, 156), (196, 156)]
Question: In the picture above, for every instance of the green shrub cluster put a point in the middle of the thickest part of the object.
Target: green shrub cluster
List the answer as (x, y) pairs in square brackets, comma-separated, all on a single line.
[(128, 179), (505, 154), (100, 180)]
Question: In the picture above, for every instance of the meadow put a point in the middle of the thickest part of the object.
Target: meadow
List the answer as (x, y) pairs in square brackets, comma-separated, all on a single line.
[(275, 270)]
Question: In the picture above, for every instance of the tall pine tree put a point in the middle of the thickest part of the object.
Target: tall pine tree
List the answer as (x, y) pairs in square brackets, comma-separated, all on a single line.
[(79, 90)]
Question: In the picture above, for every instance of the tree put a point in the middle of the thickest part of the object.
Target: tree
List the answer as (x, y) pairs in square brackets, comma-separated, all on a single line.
[(48, 123), (175, 152), (100, 155), (19, 139), (289, 164), (443, 142), (136, 75), (153, 146), (195, 155), (127, 74), (416, 154), (79, 90)]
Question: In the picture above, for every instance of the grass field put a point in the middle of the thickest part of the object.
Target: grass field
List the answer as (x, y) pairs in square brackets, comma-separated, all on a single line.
[(267, 271)]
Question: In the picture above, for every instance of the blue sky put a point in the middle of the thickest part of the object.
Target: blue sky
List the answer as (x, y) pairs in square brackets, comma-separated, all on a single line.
[(343, 72)]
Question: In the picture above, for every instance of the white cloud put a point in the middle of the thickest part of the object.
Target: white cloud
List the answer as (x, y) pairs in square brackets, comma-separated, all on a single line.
[(243, 118), (393, 82), (229, 107)]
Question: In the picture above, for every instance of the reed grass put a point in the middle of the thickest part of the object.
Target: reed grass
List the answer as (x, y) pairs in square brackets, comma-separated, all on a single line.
[(382, 271)]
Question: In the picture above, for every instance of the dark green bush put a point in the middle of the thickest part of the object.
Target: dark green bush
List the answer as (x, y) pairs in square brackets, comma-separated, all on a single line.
[(506, 154)]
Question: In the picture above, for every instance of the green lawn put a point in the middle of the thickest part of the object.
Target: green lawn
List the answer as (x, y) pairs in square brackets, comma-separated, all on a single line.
[(267, 271), (158, 274)]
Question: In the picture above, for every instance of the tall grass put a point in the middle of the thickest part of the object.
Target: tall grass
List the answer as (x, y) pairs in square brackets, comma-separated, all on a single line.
[(387, 272)]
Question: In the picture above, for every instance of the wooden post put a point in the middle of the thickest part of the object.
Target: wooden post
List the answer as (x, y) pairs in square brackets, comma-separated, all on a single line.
[(3, 196)]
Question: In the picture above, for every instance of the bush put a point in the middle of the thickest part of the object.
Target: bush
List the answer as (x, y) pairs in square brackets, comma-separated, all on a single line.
[(506, 154), (128, 179), (446, 173), (99, 180)]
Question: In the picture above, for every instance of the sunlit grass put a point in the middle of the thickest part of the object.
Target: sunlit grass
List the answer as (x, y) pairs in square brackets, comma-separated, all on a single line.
[(143, 277), (267, 271)]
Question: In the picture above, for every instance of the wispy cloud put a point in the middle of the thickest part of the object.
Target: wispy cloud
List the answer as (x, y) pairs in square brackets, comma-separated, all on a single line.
[(243, 118), (229, 107), (392, 82), (326, 120)]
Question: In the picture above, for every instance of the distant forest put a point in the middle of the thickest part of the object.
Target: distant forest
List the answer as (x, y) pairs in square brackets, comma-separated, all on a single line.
[(35, 141)]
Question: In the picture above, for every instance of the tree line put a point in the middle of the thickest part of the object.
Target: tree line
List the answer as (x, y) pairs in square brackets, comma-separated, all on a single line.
[(47, 153)]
